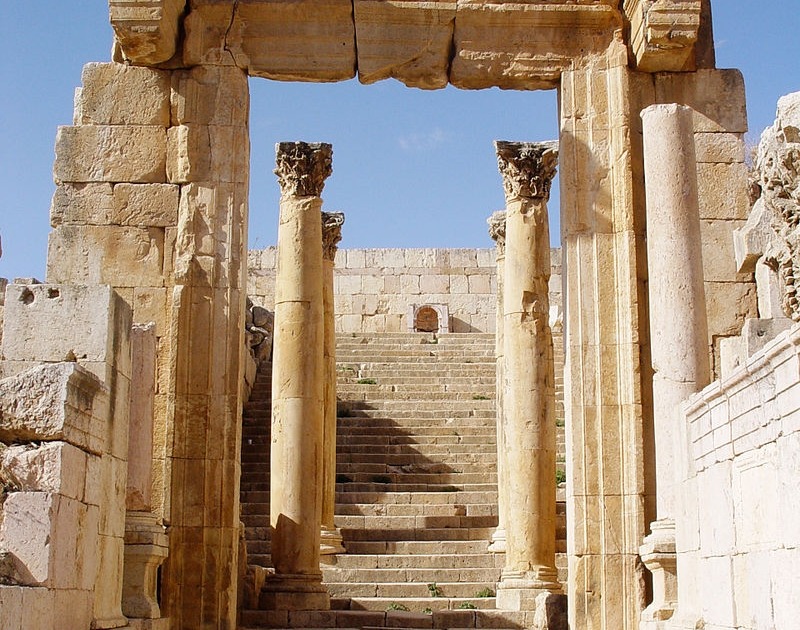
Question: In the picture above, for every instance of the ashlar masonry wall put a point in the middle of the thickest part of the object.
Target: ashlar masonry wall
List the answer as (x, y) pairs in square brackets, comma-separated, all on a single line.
[(738, 534), (375, 288)]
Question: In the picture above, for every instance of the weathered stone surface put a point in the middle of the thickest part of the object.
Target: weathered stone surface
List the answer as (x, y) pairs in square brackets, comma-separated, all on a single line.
[(146, 30), (210, 95), (145, 205), (121, 256), (729, 304), (409, 41), (717, 96), (119, 94), (202, 153), (663, 33), (81, 204), (276, 39), (58, 402), (106, 153), (43, 531), (55, 467), (525, 46)]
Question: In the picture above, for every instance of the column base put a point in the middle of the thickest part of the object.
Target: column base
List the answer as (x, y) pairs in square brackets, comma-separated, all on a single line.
[(146, 547), (105, 624), (498, 544), (330, 541), (519, 590), (294, 592), (149, 624), (658, 555)]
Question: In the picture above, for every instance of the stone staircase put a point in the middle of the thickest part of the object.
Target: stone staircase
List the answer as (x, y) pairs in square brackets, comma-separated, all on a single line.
[(416, 492)]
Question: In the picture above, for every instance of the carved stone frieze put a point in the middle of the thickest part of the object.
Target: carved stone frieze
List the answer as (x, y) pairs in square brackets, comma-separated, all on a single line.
[(527, 168), (777, 171), (497, 230), (303, 167), (332, 223)]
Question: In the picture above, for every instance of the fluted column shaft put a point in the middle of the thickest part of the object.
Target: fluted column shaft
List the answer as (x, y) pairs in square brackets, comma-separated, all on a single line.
[(331, 537), (678, 322), (298, 382), (529, 399), (497, 231)]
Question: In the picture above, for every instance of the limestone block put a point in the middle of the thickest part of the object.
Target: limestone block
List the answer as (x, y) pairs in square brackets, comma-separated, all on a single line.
[(54, 402), (119, 94), (145, 205), (150, 305), (459, 284), (93, 320), (525, 45), (105, 153), (146, 30), (408, 40), (719, 261), (434, 284), (81, 204), (55, 467), (728, 305), (210, 95), (386, 258), (121, 256), (479, 284), (207, 26), (200, 153), (11, 605), (43, 531), (276, 40), (717, 96), (721, 148), (722, 191), (355, 258)]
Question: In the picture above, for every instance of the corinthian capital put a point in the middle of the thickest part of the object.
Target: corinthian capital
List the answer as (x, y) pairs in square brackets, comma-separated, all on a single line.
[(302, 167), (497, 230), (331, 233), (527, 168)]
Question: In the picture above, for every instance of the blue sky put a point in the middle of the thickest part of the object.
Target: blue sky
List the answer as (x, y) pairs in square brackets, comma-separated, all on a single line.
[(412, 168)]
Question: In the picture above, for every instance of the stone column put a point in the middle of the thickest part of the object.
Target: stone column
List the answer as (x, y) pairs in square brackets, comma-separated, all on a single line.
[(298, 383), (331, 537), (678, 324), (497, 232), (529, 397)]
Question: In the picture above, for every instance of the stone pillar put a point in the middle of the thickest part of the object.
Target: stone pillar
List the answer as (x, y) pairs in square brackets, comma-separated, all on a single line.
[(678, 324), (298, 383), (529, 397), (330, 536), (145, 538), (497, 232)]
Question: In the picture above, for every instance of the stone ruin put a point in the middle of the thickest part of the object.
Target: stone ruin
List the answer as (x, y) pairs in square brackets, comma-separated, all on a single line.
[(121, 424)]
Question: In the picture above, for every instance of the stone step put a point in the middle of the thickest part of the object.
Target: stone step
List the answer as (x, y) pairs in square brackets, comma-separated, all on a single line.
[(353, 448), (418, 466), (422, 561), (428, 533), (357, 438), (395, 414), (401, 590), (379, 393), (426, 381), (250, 485), (392, 427), (412, 574), (369, 613), (416, 547), (485, 459), (396, 500)]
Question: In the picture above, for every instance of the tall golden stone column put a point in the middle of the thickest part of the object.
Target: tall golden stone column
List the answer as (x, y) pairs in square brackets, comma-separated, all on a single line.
[(529, 397), (497, 232), (678, 325), (298, 383), (331, 537)]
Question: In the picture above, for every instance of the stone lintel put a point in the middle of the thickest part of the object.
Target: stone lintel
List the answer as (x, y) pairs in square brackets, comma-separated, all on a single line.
[(146, 30), (302, 167), (332, 223), (527, 168)]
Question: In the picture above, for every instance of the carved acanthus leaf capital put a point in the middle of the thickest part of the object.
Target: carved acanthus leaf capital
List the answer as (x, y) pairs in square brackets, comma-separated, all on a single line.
[(332, 223), (527, 168), (497, 230), (303, 167)]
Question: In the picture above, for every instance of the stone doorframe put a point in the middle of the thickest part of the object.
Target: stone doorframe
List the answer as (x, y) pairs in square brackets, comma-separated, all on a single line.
[(178, 85)]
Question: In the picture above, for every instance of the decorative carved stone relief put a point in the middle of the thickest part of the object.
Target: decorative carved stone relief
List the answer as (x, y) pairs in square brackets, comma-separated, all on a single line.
[(497, 230), (527, 168), (332, 223), (663, 32), (303, 167)]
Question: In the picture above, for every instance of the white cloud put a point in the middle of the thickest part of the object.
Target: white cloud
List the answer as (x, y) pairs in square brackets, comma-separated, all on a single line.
[(424, 141)]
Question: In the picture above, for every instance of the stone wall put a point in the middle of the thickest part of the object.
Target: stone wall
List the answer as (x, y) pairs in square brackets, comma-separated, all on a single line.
[(375, 288), (738, 531)]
